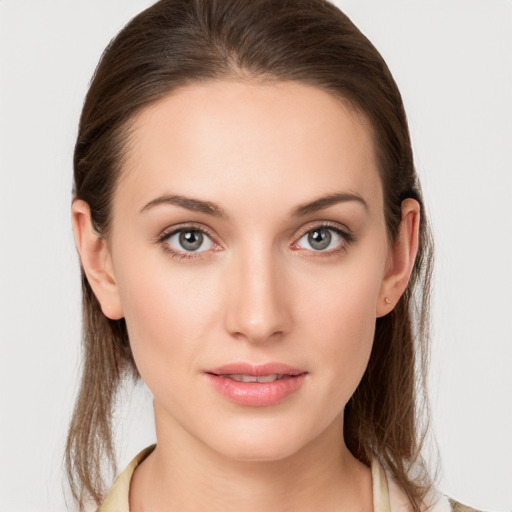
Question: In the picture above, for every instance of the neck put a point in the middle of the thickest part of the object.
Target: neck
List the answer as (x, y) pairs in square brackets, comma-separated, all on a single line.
[(184, 474)]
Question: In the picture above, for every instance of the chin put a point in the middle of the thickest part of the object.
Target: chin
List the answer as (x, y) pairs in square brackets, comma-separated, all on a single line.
[(260, 452), (257, 442)]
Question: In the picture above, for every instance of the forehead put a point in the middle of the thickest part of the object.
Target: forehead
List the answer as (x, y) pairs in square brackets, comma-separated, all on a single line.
[(280, 141)]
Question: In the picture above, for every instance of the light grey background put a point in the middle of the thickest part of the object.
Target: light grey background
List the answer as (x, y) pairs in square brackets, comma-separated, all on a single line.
[(452, 60)]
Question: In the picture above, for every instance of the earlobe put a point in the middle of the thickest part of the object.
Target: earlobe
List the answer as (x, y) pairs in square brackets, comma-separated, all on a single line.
[(96, 260), (402, 255)]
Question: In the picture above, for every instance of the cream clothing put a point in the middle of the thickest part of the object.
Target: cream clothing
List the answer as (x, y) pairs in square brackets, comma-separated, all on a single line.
[(387, 495)]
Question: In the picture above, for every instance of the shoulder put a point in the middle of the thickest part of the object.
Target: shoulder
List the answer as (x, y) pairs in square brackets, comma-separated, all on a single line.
[(444, 503), (459, 507), (435, 501)]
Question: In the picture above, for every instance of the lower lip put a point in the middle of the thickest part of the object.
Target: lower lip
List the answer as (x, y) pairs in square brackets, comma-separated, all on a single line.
[(256, 394)]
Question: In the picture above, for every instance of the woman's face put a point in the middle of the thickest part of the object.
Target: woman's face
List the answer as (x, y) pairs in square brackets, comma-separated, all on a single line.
[(248, 239)]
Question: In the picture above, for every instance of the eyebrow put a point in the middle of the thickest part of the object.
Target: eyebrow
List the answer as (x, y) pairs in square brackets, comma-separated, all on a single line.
[(195, 205), (198, 205), (327, 201)]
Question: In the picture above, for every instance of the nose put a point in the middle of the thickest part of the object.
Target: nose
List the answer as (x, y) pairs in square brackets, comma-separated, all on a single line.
[(258, 309)]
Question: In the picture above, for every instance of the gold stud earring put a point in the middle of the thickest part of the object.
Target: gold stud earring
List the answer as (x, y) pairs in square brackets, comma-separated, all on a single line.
[(386, 300)]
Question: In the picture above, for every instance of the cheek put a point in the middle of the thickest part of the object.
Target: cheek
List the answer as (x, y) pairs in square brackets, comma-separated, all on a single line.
[(343, 298), (167, 313), (339, 316), (346, 326)]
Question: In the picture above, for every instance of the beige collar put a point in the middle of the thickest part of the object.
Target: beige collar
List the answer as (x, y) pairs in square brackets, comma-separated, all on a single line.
[(380, 488), (117, 500)]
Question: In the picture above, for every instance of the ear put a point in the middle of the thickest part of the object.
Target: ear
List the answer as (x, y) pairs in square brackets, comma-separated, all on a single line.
[(401, 258), (96, 260)]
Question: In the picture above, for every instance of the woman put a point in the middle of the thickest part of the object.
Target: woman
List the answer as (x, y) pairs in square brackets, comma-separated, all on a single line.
[(252, 239)]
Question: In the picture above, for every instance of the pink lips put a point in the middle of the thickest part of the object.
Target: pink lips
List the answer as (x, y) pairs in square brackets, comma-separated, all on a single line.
[(256, 385)]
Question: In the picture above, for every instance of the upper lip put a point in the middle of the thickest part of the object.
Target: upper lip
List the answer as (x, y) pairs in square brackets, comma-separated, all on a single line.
[(257, 370)]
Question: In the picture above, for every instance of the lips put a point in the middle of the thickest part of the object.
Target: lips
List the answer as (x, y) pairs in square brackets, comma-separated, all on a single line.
[(256, 385), (256, 370)]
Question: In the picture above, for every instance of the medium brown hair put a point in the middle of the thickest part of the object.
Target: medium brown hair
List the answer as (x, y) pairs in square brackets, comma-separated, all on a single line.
[(176, 42)]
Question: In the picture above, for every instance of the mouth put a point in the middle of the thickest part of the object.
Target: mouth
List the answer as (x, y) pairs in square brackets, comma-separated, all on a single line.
[(272, 369), (256, 385), (255, 378)]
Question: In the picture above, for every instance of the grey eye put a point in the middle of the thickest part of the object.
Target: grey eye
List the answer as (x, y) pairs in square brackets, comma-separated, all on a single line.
[(320, 239), (190, 240)]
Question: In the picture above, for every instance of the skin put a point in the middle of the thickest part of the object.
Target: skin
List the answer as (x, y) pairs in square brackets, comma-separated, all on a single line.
[(258, 292)]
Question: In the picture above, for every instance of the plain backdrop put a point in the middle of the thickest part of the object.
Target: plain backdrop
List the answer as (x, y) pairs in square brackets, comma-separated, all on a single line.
[(452, 60)]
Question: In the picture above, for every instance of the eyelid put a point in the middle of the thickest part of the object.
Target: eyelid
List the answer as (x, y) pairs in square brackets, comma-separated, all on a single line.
[(192, 226), (347, 235), (324, 224)]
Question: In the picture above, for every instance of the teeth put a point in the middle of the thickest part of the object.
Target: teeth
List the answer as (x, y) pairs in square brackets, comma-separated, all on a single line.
[(269, 378), (253, 378)]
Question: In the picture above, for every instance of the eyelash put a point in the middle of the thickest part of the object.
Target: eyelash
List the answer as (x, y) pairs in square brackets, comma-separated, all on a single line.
[(347, 237), (184, 255)]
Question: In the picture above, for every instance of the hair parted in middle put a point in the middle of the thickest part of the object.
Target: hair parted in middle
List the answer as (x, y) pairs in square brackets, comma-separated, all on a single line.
[(178, 42)]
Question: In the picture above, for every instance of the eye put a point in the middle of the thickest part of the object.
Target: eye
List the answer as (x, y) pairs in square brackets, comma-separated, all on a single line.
[(189, 240), (322, 238)]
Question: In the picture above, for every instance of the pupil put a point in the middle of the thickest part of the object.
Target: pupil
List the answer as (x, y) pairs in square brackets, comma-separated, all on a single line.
[(319, 239), (191, 240)]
